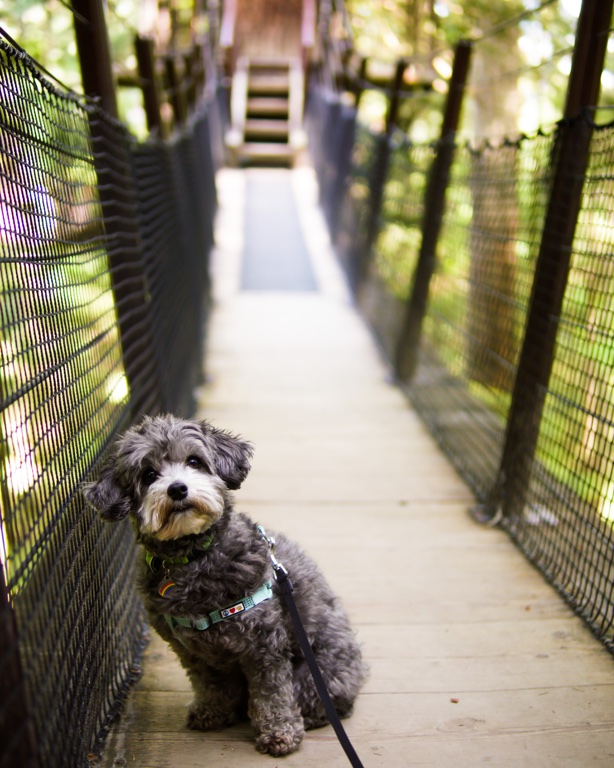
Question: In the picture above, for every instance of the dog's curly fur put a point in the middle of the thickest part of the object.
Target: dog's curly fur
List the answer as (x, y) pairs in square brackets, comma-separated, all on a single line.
[(173, 478)]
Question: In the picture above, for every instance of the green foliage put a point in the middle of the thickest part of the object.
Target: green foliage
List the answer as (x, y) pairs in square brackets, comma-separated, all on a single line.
[(45, 31), (519, 66)]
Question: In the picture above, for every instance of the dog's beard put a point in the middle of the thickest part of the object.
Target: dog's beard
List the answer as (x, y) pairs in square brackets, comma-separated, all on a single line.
[(166, 519)]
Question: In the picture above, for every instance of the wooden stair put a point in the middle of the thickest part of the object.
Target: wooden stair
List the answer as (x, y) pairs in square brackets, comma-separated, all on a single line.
[(266, 108)]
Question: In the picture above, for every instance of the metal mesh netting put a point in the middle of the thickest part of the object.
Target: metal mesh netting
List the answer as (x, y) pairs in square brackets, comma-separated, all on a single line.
[(64, 393), (476, 323), (87, 250), (567, 525), (331, 124), (473, 331), (356, 206), (176, 204), (478, 301), (397, 245)]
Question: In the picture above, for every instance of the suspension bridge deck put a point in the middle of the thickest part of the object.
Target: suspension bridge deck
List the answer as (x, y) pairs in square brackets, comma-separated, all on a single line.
[(474, 658)]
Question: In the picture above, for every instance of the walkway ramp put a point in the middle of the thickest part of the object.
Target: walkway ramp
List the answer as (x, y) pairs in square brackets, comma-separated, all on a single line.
[(474, 658)]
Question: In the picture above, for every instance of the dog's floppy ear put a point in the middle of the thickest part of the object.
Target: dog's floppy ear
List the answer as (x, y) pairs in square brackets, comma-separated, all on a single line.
[(106, 496), (232, 456)]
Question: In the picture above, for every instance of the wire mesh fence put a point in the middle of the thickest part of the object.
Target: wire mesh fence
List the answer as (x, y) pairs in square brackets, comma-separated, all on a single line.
[(478, 300), (351, 212), (99, 236), (505, 205), (567, 522), (472, 334), (175, 180), (395, 249)]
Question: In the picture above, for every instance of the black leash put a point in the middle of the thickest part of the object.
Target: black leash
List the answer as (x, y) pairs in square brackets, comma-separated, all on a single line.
[(285, 586)]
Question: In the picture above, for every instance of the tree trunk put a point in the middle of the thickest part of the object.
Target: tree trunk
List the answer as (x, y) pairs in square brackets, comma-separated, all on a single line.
[(492, 324)]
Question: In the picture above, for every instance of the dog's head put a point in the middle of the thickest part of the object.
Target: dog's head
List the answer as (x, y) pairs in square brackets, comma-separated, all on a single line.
[(171, 475)]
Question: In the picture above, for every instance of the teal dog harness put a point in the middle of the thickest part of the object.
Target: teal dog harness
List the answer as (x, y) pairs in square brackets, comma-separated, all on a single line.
[(214, 617), (166, 586)]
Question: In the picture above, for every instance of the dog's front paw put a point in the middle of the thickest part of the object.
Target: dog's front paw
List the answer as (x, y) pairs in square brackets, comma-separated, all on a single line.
[(202, 718), (279, 743)]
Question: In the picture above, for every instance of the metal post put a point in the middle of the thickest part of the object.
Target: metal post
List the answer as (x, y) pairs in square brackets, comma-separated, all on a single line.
[(395, 96), (358, 85), (569, 159), (189, 77), (145, 56), (408, 345), (379, 173), (118, 201), (17, 730), (95, 53), (175, 87)]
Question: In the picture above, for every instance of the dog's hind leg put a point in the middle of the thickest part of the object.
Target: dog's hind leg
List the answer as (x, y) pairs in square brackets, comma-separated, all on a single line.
[(343, 672), (220, 698)]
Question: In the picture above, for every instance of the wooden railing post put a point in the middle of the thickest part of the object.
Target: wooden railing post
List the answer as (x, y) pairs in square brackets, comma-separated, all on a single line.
[(95, 53), (308, 31), (118, 203), (409, 340), (358, 85), (17, 730), (146, 62), (379, 173), (227, 35), (395, 96), (198, 70), (569, 160), (189, 79), (175, 86)]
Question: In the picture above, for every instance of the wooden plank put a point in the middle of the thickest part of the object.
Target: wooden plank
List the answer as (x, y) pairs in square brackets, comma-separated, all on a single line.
[(450, 657), (397, 730), (262, 105), (436, 715)]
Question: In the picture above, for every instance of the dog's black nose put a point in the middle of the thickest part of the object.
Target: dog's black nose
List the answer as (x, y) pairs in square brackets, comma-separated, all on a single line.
[(177, 491)]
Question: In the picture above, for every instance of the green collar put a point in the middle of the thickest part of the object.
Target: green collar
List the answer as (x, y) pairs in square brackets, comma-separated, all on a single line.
[(155, 562)]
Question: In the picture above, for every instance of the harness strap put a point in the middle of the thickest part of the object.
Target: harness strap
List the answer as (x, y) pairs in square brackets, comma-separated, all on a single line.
[(214, 617)]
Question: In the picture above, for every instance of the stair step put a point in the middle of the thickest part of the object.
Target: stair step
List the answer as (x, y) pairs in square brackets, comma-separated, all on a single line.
[(267, 105), (275, 129), (262, 152), (270, 62), (267, 84)]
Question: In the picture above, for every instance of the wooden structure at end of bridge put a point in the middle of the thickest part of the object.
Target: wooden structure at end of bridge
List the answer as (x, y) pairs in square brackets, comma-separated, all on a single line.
[(267, 46)]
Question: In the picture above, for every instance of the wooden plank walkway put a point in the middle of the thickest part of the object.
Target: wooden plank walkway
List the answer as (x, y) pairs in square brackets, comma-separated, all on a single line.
[(474, 658)]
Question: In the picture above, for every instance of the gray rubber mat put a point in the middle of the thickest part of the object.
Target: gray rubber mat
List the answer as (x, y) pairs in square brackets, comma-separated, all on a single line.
[(275, 257)]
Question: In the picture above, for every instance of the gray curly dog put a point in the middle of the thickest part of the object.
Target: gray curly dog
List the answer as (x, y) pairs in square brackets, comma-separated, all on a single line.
[(206, 579)]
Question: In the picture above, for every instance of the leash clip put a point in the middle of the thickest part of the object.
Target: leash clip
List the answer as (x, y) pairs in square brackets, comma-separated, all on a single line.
[(279, 569)]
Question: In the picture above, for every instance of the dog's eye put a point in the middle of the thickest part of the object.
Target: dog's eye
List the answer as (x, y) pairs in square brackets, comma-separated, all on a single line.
[(195, 463), (149, 475)]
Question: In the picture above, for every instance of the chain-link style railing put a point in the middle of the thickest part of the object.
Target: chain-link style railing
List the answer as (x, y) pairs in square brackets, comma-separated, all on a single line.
[(473, 330), (485, 272), (103, 279)]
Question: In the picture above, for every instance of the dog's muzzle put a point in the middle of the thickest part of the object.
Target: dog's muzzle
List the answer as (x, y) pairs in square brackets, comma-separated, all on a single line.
[(177, 505)]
